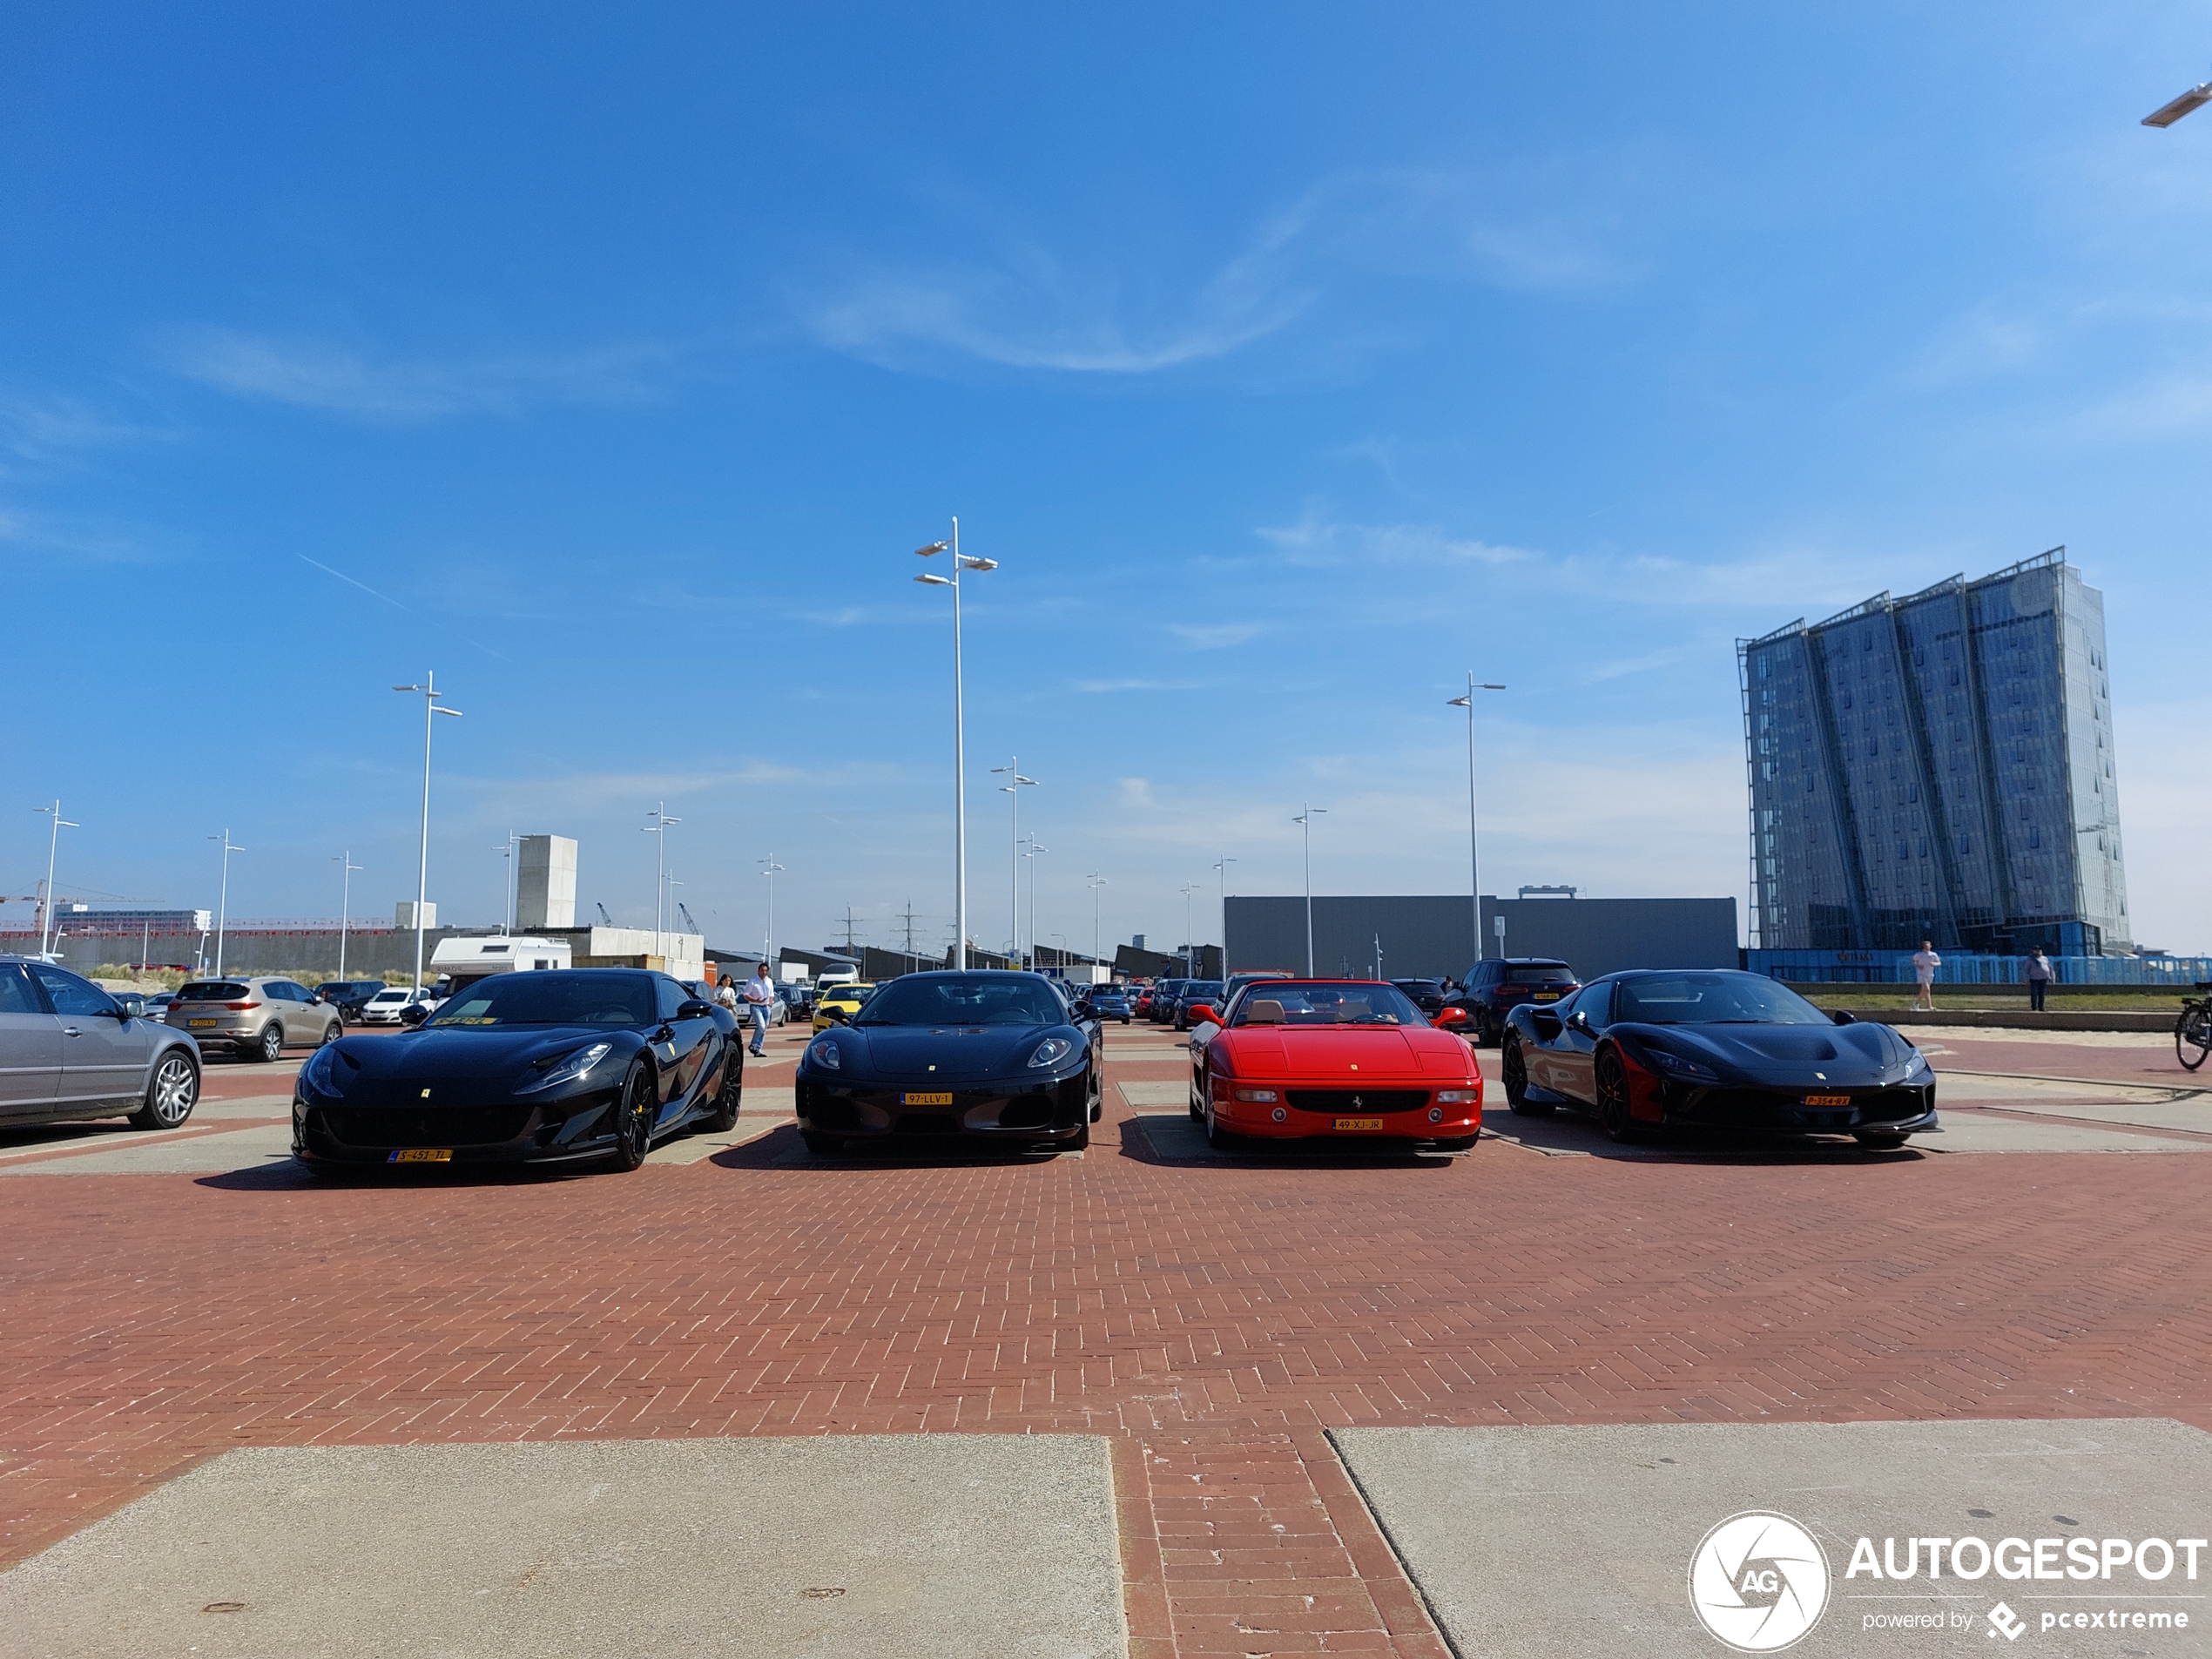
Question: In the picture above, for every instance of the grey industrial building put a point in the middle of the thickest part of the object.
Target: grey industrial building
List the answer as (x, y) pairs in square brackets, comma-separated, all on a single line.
[(1939, 766), (1433, 937)]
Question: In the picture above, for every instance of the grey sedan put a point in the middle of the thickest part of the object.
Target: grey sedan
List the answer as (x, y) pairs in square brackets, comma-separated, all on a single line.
[(68, 1049)]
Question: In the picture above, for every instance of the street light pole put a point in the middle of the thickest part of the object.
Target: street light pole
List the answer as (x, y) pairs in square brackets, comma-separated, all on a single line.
[(960, 562), (1305, 817), (768, 945), (1190, 950), (430, 706), (1035, 848), (53, 846), (1221, 869), (346, 866), (1096, 882), (1475, 851), (1013, 792), (658, 828), (223, 897)]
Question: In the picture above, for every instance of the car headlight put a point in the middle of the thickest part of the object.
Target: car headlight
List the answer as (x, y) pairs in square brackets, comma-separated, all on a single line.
[(1458, 1096), (320, 1073), (824, 1053), (1675, 1066), (1916, 1064), (1052, 1051), (566, 1069)]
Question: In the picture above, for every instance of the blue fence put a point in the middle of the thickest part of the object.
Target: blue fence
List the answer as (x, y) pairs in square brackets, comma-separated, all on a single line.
[(1895, 967)]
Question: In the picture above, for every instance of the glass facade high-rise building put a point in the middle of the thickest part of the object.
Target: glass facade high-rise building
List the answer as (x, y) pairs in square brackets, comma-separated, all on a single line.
[(1937, 766)]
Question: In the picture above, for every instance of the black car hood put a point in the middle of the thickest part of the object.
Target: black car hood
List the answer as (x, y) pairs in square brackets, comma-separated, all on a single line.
[(473, 1064), (1845, 1055), (908, 1053)]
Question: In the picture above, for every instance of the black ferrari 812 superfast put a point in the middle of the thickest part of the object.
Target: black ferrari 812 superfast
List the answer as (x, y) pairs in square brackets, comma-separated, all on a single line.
[(548, 1067), (992, 1058), (1716, 1049)]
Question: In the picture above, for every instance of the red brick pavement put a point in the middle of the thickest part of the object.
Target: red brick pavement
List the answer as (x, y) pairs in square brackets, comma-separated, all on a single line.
[(1212, 1318)]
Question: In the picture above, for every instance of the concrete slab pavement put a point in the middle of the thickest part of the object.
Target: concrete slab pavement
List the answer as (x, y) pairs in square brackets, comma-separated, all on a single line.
[(917, 1546), (1580, 1541)]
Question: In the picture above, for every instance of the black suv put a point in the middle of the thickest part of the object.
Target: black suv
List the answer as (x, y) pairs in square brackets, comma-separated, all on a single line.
[(1427, 995), (1491, 988), (348, 995)]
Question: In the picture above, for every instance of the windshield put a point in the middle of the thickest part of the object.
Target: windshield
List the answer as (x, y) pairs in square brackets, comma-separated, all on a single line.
[(552, 998), (965, 999), (845, 993), (1303, 1002), (1202, 990), (211, 991), (1540, 974), (1712, 999)]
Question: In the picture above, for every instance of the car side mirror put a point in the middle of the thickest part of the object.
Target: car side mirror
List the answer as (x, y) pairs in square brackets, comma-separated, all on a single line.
[(1202, 1014), (1579, 1020), (695, 1009), (131, 1007), (413, 1014), (1447, 1018), (1843, 1016)]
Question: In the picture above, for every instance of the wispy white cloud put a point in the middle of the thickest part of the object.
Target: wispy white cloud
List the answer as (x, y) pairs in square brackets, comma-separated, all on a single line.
[(343, 380), (91, 539), (1535, 229), (1215, 635), (1316, 541), (1137, 685), (41, 429)]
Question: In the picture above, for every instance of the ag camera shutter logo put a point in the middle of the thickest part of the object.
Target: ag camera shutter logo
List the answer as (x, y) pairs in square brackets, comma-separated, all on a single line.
[(1759, 1581)]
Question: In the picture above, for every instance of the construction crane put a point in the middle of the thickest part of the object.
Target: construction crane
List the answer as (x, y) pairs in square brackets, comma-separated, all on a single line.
[(603, 916), (690, 926)]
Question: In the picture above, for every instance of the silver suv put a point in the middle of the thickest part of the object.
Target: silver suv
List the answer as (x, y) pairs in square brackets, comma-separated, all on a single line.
[(258, 1016), (68, 1049)]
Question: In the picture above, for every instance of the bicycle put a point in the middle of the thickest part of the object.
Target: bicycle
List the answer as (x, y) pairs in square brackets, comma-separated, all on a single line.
[(2193, 1031)]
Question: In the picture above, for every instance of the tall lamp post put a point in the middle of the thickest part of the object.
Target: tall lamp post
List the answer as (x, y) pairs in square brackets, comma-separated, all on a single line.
[(223, 897), (1221, 870), (768, 867), (431, 707), (1307, 818), (1096, 881), (346, 866), (659, 830), (1036, 847), (506, 851), (1012, 790), (960, 562), (1190, 950), (1475, 854), (2166, 114), (53, 846)]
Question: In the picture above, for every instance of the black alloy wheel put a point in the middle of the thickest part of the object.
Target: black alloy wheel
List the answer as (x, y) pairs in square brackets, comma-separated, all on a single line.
[(171, 1093), (1613, 1114), (1514, 1064), (331, 1033), (724, 1118), (634, 1111), (271, 1046)]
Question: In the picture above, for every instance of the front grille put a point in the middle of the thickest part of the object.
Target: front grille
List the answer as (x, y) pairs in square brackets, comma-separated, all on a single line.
[(1033, 1113), (454, 1126), (928, 1123), (1370, 1101), (826, 1111)]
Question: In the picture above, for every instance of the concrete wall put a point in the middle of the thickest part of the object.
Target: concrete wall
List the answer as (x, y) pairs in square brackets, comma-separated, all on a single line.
[(545, 884), (369, 955), (1433, 937)]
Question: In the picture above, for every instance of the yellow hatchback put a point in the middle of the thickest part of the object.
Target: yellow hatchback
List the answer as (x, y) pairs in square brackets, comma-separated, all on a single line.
[(835, 1003)]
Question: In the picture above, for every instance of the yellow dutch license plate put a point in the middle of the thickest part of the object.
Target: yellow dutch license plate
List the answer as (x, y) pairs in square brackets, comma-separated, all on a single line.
[(1544, 996), (194, 1025), (1827, 1100), (422, 1155), (1359, 1123), (926, 1098)]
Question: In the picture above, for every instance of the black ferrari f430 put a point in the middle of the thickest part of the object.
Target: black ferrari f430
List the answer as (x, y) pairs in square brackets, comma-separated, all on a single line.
[(994, 1058), (1715, 1048), (550, 1067)]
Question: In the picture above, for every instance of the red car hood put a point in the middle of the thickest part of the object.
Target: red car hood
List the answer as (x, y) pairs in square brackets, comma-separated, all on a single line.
[(1374, 1054)]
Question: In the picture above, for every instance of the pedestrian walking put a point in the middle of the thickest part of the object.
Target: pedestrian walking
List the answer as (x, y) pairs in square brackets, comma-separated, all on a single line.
[(1925, 963), (725, 993), (759, 992), (2039, 976)]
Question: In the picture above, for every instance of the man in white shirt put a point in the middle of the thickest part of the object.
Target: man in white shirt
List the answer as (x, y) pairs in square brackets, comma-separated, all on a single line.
[(759, 993), (1925, 963)]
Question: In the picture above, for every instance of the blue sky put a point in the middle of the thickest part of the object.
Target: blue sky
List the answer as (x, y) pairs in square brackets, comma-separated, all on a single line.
[(1292, 361)]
